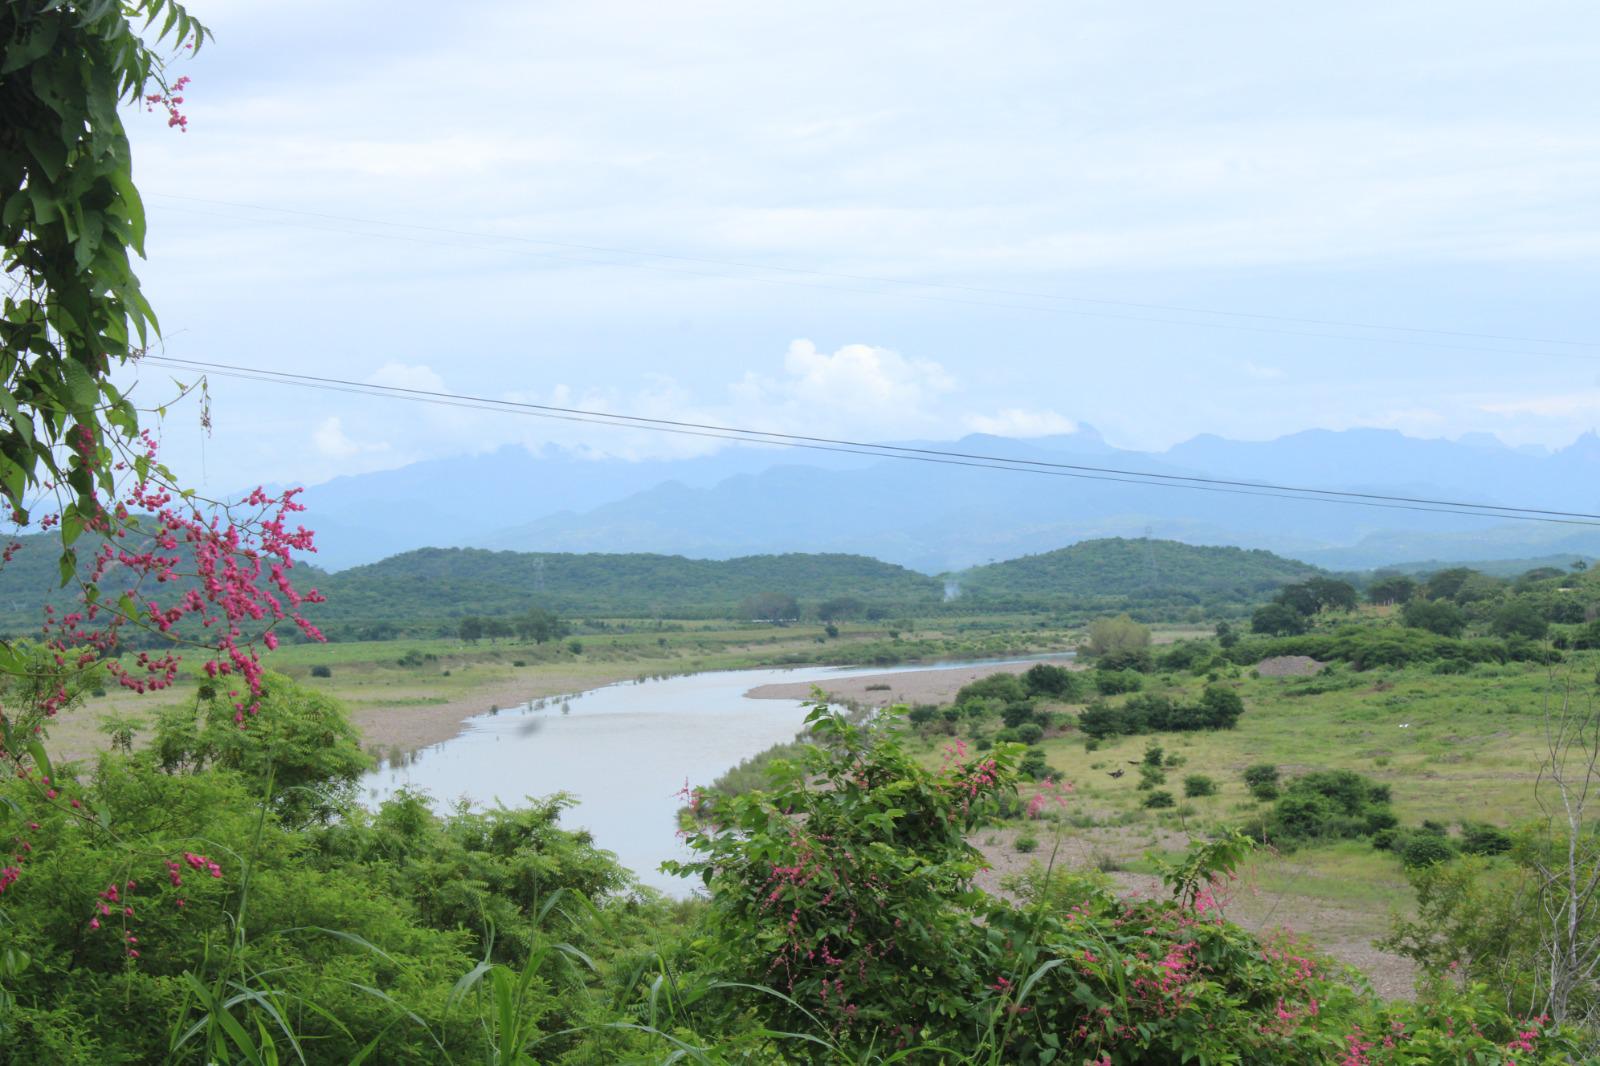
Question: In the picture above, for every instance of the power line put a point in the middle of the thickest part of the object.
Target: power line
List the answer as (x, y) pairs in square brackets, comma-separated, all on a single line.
[(905, 283), (893, 451)]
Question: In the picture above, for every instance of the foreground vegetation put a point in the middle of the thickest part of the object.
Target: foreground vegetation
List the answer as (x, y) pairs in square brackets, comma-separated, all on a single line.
[(217, 897)]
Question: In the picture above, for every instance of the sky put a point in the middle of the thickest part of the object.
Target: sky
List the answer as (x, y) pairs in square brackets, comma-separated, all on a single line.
[(878, 221)]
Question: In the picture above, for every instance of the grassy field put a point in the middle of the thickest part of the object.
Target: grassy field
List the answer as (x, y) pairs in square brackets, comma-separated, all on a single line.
[(1451, 747)]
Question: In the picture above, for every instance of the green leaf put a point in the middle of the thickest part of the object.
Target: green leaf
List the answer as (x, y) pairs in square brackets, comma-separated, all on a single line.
[(82, 388), (41, 759)]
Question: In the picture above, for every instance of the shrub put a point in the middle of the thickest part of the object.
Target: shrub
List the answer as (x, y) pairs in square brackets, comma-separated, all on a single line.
[(1436, 616), (1480, 839), (1151, 776), (1330, 804), (1026, 843), (1160, 799), (1424, 849), (1016, 714), (1262, 780), (1030, 733), (320, 670), (1006, 688), (1197, 785), (923, 713), (1056, 682), (1112, 682), (1033, 766)]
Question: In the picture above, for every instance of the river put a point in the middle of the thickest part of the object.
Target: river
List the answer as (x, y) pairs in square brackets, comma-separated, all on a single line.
[(624, 752)]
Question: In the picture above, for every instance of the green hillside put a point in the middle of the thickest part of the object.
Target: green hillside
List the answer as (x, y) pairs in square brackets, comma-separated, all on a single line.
[(424, 590), (434, 584), (1132, 574)]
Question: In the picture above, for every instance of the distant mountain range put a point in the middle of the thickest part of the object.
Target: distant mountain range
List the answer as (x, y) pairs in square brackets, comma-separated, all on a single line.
[(936, 518)]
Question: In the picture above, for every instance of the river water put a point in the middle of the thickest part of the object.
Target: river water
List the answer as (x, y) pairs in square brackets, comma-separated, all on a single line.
[(624, 752)]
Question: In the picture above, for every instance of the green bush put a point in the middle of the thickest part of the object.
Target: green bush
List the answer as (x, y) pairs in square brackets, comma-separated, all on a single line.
[(1424, 849), (1034, 766), (1030, 733), (1005, 688), (1480, 839), (1159, 799), (1054, 682), (1197, 785), (1262, 781), (1026, 843), (1330, 804), (321, 670), (1113, 682)]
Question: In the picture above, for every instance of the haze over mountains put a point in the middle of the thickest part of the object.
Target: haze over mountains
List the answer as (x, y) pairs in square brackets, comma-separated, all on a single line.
[(939, 518)]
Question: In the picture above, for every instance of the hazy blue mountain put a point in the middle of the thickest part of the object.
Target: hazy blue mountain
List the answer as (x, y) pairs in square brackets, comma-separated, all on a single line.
[(937, 518), (461, 501)]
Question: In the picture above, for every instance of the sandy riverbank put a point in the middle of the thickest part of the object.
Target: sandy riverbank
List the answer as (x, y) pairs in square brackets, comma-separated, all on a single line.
[(934, 685)]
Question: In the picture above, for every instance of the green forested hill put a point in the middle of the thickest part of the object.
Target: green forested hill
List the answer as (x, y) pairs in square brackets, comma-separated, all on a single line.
[(1117, 572), (442, 583), (424, 590)]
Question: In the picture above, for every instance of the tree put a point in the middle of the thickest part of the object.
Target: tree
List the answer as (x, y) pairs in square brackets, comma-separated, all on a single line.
[(1278, 620), (73, 312), (770, 607), (1393, 589), (539, 625), (471, 629), (1220, 707), (1299, 599), (1119, 635), (840, 608), (1436, 616), (1519, 618), (1332, 594), (1444, 584), (1226, 636)]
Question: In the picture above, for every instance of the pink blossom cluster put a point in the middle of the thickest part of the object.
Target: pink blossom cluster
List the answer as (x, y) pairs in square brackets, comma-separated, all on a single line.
[(171, 99), (1052, 791), (238, 573)]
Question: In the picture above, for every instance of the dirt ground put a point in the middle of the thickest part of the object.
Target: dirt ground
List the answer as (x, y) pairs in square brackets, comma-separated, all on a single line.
[(1288, 666), (909, 686)]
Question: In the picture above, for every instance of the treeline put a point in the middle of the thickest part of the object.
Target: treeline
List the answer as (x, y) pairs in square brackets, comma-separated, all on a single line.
[(1155, 579), (535, 625)]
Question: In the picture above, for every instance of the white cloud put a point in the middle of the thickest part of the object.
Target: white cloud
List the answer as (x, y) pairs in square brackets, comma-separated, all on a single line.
[(402, 376), (1262, 373), (1018, 422), (332, 442), (1585, 402), (858, 379)]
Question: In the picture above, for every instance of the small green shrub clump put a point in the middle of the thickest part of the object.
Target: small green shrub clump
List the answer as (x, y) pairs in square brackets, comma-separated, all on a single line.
[(1219, 707), (1480, 839), (1198, 785), (1026, 843), (1262, 781), (321, 670), (1033, 765), (1329, 804), (1159, 799), (1113, 682)]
